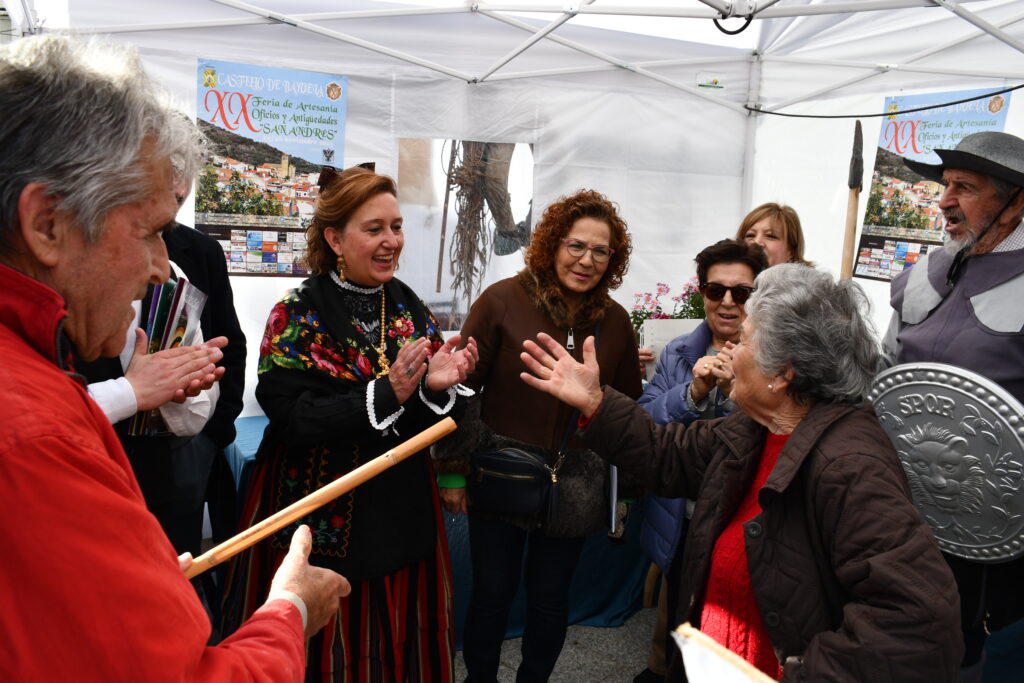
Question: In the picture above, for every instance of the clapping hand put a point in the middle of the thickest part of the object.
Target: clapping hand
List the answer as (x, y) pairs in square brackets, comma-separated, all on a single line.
[(554, 371), (172, 374), (448, 366)]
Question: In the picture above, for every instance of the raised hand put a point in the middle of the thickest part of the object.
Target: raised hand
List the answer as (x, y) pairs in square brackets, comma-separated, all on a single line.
[(408, 368), (172, 374), (723, 370), (553, 371), (448, 367)]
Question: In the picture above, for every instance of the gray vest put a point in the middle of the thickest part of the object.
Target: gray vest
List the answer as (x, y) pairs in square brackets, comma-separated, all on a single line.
[(978, 324)]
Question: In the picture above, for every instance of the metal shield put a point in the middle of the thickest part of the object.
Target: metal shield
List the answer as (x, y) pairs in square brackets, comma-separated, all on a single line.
[(960, 438)]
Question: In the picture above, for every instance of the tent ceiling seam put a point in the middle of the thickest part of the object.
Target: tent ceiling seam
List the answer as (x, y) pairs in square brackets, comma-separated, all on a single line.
[(617, 62), (343, 37), (973, 18), (530, 42)]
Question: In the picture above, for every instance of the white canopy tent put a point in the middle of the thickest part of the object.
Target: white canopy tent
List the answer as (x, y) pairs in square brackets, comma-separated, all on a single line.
[(623, 112)]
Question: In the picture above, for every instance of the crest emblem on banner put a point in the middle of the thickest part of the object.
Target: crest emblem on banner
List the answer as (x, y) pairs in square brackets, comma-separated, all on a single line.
[(960, 439), (209, 77), (334, 91)]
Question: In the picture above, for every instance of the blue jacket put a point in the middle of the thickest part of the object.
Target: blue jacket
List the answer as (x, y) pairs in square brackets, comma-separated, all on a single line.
[(664, 399)]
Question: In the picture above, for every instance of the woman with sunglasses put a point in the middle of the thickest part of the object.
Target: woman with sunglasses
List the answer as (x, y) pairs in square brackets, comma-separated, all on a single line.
[(692, 381), (579, 251)]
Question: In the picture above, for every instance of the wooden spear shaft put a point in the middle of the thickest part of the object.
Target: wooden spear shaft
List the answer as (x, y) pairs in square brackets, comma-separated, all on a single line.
[(853, 203), (321, 496)]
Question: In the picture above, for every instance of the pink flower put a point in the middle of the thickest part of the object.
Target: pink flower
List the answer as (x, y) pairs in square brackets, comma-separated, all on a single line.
[(363, 365), (278, 319), (325, 358), (662, 288)]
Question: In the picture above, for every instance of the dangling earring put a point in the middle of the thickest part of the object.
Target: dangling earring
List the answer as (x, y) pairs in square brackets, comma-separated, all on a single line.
[(341, 267)]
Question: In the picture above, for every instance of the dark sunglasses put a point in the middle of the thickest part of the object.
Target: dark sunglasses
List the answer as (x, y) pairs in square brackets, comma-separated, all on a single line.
[(714, 291)]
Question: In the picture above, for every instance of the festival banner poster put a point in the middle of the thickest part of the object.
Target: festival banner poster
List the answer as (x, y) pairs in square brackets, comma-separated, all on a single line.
[(902, 220), (270, 131)]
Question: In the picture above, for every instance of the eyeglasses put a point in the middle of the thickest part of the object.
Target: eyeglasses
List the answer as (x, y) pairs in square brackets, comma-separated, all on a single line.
[(577, 249), (715, 291)]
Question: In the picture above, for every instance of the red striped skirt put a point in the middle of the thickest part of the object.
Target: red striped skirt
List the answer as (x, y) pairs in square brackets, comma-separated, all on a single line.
[(396, 628)]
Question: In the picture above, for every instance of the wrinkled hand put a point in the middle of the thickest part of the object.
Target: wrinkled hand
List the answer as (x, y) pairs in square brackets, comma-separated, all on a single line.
[(455, 500), (321, 589), (723, 372), (556, 372), (408, 368), (173, 374), (646, 356), (448, 367), (712, 371)]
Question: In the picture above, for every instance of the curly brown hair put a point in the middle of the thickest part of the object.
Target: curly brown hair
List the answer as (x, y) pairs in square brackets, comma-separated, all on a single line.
[(341, 194), (554, 225)]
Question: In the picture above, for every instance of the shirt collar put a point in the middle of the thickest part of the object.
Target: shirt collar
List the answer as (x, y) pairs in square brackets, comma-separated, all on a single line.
[(34, 312), (1012, 242)]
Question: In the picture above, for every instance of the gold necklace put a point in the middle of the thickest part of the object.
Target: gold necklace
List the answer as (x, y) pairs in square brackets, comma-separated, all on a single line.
[(382, 359)]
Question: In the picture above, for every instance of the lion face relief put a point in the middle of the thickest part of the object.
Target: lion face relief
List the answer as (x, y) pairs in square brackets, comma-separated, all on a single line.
[(942, 474)]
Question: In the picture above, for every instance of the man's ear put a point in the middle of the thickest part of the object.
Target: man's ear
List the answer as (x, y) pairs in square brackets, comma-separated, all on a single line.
[(40, 226)]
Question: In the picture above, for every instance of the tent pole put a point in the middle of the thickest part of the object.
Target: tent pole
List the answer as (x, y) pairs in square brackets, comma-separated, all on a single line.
[(973, 18), (958, 41), (609, 67), (342, 37), (753, 101), (530, 42), (618, 62), (850, 7), (942, 71)]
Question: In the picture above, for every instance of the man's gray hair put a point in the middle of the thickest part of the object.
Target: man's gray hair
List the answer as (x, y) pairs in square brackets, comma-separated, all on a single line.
[(807, 322), (75, 116)]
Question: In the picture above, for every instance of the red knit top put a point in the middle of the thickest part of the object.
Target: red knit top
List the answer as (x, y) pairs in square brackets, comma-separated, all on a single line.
[(730, 613)]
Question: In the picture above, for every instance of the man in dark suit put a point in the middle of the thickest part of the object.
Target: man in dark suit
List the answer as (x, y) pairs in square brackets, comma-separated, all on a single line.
[(202, 260)]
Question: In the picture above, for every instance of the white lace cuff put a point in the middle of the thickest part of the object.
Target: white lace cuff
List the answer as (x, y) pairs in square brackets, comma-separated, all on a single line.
[(450, 391), (379, 423)]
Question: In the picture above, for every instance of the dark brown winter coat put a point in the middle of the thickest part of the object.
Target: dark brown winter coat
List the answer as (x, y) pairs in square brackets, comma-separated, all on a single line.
[(846, 573)]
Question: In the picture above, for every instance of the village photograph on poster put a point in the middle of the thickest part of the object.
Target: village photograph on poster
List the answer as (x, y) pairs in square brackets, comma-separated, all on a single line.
[(270, 131), (902, 220)]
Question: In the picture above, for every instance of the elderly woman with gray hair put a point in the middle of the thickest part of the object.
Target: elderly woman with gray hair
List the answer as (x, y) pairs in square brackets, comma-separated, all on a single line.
[(805, 554)]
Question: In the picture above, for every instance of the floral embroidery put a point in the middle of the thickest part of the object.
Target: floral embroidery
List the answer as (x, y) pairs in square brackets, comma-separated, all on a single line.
[(296, 340)]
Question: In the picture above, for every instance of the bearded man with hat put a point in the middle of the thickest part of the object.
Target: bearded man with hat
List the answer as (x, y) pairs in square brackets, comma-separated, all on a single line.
[(962, 305)]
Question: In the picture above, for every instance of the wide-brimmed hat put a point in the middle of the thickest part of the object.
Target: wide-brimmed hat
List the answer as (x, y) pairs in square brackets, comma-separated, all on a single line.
[(996, 154)]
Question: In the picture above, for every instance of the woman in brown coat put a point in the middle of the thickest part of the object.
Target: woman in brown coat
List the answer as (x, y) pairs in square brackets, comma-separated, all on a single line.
[(805, 554), (579, 251)]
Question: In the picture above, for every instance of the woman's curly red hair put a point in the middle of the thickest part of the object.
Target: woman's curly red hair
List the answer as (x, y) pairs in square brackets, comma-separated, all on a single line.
[(556, 223)]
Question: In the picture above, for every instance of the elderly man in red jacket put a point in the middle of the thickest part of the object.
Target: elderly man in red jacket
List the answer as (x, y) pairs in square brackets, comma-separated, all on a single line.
[(92, 588)]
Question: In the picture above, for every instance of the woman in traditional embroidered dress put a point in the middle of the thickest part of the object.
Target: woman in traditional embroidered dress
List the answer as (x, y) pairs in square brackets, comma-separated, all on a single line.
[(578, 252), (805, 554), (352, 364)]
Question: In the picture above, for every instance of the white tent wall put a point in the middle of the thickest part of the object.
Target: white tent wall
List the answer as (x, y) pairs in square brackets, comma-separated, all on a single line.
[(684, 169), (673, 163)]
